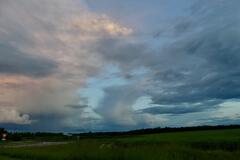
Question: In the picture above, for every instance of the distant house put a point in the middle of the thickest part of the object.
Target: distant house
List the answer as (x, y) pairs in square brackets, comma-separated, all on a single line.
[(3, 134)]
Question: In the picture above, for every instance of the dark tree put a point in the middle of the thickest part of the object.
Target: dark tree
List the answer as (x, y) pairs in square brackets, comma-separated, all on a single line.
[(2, 130)]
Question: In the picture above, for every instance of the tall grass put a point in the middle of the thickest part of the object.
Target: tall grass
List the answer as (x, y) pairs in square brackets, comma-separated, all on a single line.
[(200, 145)]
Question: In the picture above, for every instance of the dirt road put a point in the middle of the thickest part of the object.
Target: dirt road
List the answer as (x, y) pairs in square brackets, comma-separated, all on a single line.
[(40, 144)]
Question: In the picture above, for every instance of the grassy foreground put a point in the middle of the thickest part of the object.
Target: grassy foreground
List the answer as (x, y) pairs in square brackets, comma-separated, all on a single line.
[(195, 145)]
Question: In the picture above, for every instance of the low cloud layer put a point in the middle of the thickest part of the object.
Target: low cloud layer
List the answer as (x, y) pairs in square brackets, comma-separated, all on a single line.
[(12, 116)]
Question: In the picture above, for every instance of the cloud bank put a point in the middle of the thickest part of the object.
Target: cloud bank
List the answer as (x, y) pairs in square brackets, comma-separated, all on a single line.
[(50, 50)]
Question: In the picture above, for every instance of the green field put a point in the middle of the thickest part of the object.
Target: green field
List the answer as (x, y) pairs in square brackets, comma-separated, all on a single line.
[(192, 145)]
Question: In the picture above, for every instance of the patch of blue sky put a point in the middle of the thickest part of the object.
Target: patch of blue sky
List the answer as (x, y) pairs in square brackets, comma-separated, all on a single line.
[(94, 90), (111, 76)]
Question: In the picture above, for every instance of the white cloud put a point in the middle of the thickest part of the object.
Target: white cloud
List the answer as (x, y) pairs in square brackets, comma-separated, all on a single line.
[(12, 116), (63, 31), (229, 109)]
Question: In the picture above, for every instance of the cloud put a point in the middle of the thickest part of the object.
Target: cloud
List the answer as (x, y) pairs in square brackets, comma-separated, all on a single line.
[(116, 103), (199, 63), (45, 55), (181, 108), (210, 69), (77, 106), (15, 62), (12, 116), (117, 112), (50, 49)]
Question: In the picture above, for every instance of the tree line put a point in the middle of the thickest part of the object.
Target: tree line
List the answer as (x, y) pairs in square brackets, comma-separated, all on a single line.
[(44, 136), (157, 130)]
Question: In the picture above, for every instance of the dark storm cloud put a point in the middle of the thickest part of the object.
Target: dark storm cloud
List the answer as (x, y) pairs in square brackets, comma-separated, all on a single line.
[(220, 120), (182, 26), (169, 75), (170, 110), (121, 52), (199, 65), (83, 104), (217, 77), (207, 60), (181, 108), (221, 86), (77, 106), (13, 61), (202, 67), (46, 122)]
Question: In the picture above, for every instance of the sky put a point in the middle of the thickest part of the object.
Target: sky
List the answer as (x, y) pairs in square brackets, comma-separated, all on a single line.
[(110, 65)]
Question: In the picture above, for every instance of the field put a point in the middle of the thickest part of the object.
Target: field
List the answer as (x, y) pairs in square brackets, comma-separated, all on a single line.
[(189, 145)]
